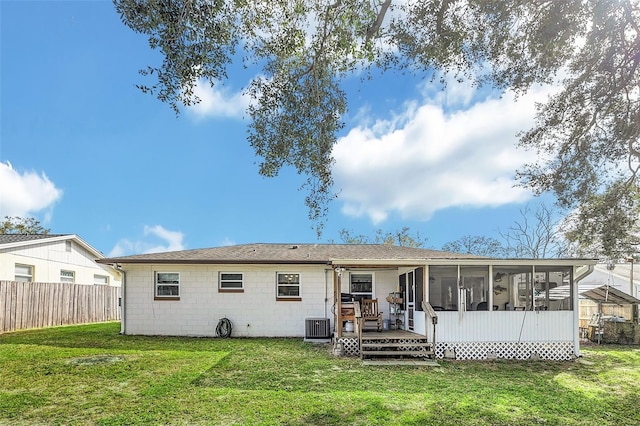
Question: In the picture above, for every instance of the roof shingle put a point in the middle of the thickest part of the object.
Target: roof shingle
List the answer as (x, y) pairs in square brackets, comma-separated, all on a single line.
[(289, 253), (18, 238)]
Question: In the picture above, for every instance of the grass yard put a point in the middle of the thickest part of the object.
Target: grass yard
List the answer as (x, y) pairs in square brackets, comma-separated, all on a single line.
[(91, 375)]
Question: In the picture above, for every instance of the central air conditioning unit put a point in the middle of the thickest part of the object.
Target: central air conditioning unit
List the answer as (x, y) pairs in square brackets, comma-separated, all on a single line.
[(317, 329)]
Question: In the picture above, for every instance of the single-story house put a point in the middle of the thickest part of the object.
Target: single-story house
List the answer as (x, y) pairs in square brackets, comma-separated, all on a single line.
[(53, 258), (432, 303)]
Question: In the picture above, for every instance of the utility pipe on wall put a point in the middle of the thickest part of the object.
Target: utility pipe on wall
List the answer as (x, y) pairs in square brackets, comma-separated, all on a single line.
[(122, 298)]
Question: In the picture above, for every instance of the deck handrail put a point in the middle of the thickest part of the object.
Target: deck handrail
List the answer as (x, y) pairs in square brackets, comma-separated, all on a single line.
[(426, 306), (429, 311), (358, 322)]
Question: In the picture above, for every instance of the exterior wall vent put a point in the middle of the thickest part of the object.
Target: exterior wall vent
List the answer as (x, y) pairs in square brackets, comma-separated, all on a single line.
[(317, 328)]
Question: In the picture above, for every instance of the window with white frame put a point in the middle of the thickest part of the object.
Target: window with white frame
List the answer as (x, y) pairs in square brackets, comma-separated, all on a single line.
[(231, 281), (361, 286), (24, 273), (167, 285), (67, 276), (288, 286), (100, 279)]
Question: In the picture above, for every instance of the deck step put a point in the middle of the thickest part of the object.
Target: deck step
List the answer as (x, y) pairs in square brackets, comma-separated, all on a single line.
[(366, 345), (398, 347), (384, 336), (395, 353), (416, 361)]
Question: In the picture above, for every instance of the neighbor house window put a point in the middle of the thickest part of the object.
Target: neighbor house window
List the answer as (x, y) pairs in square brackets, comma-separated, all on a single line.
[(231, 282), (67, 276), (100, 279), (24, 273), (67, 246), (288, 286), (167, 285)]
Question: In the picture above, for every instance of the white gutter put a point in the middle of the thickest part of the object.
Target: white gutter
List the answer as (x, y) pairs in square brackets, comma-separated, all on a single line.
[(326, 291), (462, 262), (579, 274), (123, 299)]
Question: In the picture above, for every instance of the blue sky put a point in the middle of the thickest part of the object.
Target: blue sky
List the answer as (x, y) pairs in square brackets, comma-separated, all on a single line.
[(85, 152)]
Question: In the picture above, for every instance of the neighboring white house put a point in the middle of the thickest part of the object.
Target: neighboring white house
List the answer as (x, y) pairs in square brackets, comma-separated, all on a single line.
[(52, 259), (480, 307), (621, 277)]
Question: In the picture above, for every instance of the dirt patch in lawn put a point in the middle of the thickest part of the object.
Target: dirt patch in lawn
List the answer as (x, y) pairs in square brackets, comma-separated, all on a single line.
[(97, 359)]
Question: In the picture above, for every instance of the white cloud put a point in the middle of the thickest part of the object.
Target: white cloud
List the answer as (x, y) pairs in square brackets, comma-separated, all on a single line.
[(454, 93), (22, 194), (218, 101), (172, 238), (169, 241), (433, 157), (227, 242)]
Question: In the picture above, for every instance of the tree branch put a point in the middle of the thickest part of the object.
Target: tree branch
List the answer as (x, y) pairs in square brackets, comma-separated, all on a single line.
[(373, 29)]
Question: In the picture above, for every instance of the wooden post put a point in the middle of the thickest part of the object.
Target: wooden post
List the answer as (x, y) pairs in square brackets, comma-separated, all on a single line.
[(358, 323), (337, 283)]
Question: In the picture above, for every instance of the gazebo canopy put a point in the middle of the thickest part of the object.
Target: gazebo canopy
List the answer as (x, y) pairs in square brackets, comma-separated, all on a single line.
[(608, 294)]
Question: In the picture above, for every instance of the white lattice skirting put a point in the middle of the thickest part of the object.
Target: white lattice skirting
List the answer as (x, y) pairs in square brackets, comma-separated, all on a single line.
[(555, 351), (350, 346)]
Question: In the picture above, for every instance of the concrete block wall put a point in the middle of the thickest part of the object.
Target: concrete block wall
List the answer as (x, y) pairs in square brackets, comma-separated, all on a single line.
[(254, 313)]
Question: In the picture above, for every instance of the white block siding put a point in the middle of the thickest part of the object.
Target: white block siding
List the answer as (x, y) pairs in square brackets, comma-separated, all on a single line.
[(253, 313), (50, 257)]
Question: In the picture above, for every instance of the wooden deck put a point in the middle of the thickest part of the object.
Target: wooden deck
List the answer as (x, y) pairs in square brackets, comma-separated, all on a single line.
[(386, 334), (391, 334)]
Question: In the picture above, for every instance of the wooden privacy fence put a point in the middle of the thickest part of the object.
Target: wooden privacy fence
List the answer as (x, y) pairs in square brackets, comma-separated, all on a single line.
[(589, 307), (34, 305)]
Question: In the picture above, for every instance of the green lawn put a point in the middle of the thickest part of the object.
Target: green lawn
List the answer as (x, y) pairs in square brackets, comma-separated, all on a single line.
[(91, 375)]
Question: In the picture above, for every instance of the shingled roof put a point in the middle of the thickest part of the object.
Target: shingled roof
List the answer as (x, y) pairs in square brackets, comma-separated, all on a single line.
[(289, 253), (18, 238), (17, 241)]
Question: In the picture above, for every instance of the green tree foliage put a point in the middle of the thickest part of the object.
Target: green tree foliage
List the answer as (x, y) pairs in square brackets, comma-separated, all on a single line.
[(476, 244), (607, 226), (586, 136), (402, 237), (24, 226)]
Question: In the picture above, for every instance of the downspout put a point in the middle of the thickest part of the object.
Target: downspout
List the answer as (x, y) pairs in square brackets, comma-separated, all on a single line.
[(462, 296), (576, 307), (490, 295), (326, 291), (123, 304)]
